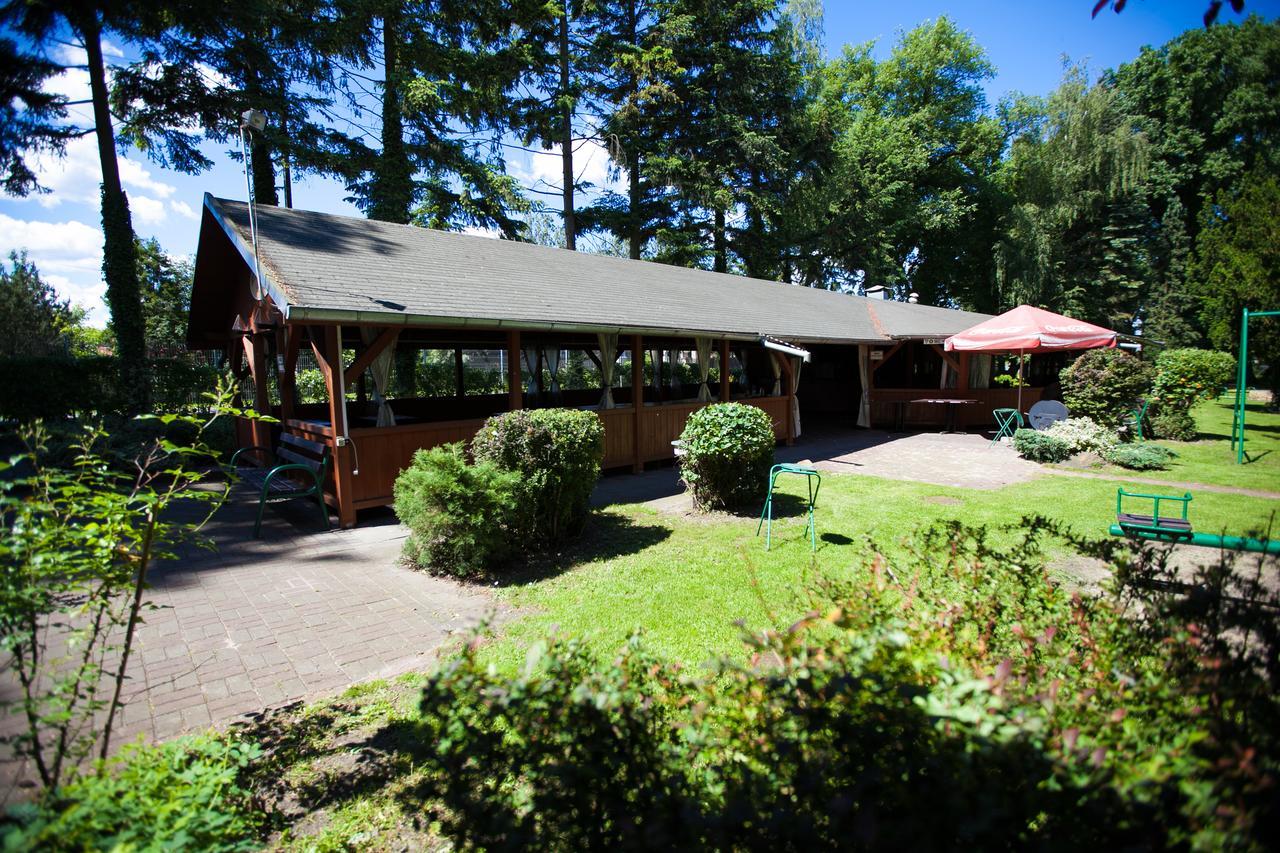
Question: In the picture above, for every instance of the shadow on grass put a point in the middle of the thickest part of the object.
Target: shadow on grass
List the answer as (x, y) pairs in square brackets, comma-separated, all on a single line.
[(607, 536)]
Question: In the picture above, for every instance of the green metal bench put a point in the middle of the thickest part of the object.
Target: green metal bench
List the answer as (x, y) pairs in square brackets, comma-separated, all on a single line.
[(294, 470), (766, 512)]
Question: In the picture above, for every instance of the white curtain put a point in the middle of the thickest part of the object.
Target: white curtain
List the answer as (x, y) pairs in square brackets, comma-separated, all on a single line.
[(380, 367), (673, 378), (777, 374), (980, 371), (531, 366), (942, 381), (551, 357), (704, 368), (864, 378), (796, 363), (608, 355)]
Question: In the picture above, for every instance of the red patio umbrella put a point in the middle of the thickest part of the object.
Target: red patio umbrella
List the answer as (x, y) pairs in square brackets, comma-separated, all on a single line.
[(1029, 329)]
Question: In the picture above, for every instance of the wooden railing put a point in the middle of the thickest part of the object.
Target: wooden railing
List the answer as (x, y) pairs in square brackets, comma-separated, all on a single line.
[(379, 454)]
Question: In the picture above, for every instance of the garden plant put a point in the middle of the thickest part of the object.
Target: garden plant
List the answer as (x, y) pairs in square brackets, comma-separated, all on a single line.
[(726, 452)]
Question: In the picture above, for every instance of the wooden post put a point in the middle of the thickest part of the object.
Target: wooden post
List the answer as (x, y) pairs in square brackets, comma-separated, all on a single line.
[(724, 370), (515, 393), (343, 487), (789, 392), (459, 374), (637, 399)]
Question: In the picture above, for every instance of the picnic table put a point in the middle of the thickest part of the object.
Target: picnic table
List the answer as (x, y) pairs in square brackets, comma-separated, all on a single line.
[(952, 407)]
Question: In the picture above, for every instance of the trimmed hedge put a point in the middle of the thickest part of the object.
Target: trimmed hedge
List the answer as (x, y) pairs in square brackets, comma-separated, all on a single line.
[(461, 518), (1041, 446), (727, 453), (55, 387), (1104, 385), (557, 453), (1184, 376), (1140, 457)]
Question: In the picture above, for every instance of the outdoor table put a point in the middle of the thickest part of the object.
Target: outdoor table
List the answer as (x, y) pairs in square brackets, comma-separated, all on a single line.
[(949, 423)]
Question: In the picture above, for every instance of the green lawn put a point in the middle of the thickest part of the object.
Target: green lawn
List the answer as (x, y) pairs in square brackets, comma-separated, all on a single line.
[(685, 581), (1212, 460)]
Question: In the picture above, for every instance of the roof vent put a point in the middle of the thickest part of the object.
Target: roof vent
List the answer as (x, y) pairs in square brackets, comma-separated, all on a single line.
[(878, 291)]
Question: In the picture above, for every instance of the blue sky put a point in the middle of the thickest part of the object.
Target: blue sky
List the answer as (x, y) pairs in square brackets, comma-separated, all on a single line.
[(1025, 41)]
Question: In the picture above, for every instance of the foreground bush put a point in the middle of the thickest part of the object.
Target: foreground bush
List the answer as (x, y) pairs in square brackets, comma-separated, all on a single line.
[(1083, 435), (954, 697), (1105, 385), (462, 518), (728, 450), (1140, 457), (182, 795), (557, 454), (1040, 446)]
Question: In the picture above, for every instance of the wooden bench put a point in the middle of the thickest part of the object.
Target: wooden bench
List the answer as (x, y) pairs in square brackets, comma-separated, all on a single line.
[(295, 469)]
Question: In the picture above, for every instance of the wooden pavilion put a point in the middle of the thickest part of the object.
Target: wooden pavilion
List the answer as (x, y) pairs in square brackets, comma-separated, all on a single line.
[(417, 336)]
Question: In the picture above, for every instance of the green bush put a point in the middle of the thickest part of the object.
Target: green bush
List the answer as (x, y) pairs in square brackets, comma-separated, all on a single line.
[(1083, 435), (461, 517), (1104, 385), (182, 795), (727, 452), (1173, 423), (557, 454), (963, 700), (1040, 446), (1140, 457), (1184, 376)]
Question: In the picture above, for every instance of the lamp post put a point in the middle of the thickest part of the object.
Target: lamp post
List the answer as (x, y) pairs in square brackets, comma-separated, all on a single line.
[(251, 120)]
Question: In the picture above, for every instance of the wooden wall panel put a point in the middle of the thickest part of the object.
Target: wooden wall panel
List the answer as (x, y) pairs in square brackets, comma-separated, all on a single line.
[(619, 437), (381, 453)]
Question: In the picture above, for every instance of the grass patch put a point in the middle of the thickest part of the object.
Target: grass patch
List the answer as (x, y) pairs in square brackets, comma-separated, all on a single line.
[(691, 579), (1212, 460)]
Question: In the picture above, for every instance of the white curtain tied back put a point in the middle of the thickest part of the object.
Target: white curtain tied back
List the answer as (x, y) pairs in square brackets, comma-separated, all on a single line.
[(380, 367), (608, 355), (704, 369)]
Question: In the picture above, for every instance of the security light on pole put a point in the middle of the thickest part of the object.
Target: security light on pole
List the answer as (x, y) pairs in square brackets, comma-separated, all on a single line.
[(252, 120)]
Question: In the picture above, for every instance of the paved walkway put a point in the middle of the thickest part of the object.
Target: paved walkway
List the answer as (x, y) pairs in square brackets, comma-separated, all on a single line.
[(293, 616), (968, 461)]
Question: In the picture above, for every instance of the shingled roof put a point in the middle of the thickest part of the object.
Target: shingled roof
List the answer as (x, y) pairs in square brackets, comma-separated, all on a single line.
[(324, 267)]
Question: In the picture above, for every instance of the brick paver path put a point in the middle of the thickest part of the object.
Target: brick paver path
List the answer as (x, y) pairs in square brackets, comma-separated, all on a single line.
[(295, 615)]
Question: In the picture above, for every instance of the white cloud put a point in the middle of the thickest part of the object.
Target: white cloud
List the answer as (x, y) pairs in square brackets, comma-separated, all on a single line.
[(183, 209), (544, 168), (76, 176), (148, 210), (68, 255)]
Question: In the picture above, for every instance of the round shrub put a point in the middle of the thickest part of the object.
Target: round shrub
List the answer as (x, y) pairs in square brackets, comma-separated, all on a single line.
[(557, 454), (461, 517), (727, 453), (1140, 457), (1184, 376), (1040, 446), (1174, 423), (1083, 435), (1104, 385)]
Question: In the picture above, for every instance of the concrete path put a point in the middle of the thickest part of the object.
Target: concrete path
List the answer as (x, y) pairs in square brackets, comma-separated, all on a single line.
[(965, 460)]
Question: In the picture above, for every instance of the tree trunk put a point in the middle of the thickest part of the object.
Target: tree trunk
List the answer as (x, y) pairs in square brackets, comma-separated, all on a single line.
[(392, 191), (634, 217), (119, 254), (260, 160), (286, 171), (721, 244), (566, 137)]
